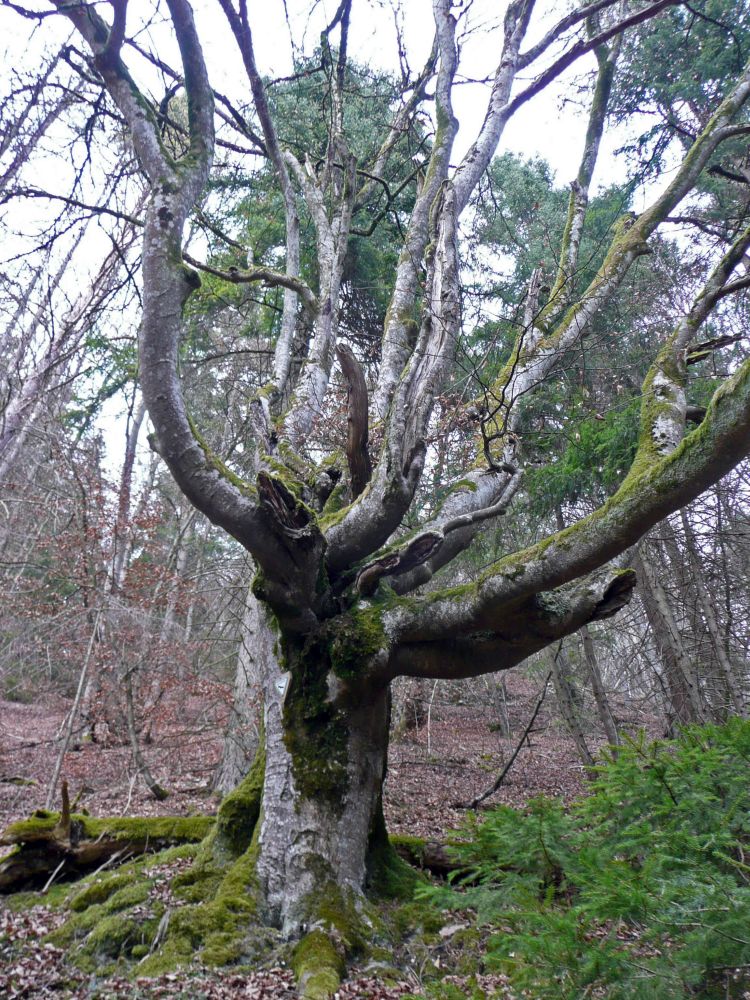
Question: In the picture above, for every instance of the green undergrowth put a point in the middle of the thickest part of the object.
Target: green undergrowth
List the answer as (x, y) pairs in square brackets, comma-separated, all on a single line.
[(161, 912), (639, 890), (197, 906)]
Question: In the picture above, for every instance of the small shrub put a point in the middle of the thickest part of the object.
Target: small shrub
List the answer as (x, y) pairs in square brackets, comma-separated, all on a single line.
[(640, 890)]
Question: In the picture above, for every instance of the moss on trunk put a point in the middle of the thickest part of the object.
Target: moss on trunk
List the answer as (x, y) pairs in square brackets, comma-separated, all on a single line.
[(201, 903)]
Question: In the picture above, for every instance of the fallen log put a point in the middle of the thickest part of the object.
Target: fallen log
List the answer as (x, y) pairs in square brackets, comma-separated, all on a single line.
[(429, 855), (72, 844)]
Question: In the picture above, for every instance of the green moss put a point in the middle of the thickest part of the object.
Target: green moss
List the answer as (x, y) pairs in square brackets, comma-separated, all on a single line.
[(258, 585), (39, 825), (315, 732), (294, 463), (416, 917), (388, 875), (287, 485), (113, 937), (463, 484), (222, 948), (267, 391), (330, 517), (354, 639), (335, 504), (54, 898), (415, 847), (198, 883), (153, 830), (99, 890), (318, 966), (82, 923), (215, 929), (176, 951), (344, 915), (214, 462), (239, 810), (283, 474)]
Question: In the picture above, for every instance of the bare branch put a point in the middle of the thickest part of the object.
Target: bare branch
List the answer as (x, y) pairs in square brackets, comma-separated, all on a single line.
[(260, 275), (580, 48), (357, 454), (241, 29)]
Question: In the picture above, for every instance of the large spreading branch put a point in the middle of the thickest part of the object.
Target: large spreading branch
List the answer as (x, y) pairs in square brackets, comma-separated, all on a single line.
[(267, 520), (336, 183), (550, 582), (379, 511), (421, 332), (537, 351), (401, 323), (486, 493), (562, 288)]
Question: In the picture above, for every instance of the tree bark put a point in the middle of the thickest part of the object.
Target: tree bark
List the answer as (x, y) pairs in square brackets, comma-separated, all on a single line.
[(325, 763), (568, 701), (681, 678), (256, 649), (597, 685), (708, 608)]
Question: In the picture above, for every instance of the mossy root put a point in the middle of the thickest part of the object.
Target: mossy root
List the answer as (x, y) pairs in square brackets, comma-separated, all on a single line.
[(318, 965)]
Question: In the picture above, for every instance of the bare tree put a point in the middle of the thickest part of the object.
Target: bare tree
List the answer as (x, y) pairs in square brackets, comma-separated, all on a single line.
[(338, 584)]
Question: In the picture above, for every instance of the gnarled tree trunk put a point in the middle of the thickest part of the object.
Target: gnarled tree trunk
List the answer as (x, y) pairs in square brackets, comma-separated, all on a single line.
[(326, 750)]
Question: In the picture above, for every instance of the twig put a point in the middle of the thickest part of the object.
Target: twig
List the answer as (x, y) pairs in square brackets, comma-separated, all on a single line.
[(72, 714), (490, 791), (52, 877)]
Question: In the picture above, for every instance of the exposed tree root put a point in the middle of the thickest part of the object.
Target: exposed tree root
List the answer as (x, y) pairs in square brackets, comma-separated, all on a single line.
[(199, 902)]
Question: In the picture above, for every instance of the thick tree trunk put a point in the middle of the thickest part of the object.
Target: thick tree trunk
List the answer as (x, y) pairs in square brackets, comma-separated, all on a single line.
[(325, 762)]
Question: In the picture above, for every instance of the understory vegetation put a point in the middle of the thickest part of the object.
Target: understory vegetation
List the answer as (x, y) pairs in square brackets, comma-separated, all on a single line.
[(641, 889)]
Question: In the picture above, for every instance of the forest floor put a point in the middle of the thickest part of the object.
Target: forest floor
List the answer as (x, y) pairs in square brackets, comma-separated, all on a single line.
[(434, 769)]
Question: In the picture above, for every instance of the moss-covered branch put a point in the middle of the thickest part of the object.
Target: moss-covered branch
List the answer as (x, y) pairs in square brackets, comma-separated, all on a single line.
[(534, 357), (50, 841), (650, 492)]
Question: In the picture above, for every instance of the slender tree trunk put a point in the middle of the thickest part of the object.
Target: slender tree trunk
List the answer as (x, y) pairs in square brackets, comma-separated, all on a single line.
[(123, 529), (169, 620), (597, 685), (141, 763), (74, 709), (569, 701), (410, 698), (711, 618), (680, 675), (256, 649)]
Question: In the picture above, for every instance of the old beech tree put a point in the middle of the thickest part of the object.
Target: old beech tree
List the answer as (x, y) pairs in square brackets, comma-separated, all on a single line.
[(340, 607)]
